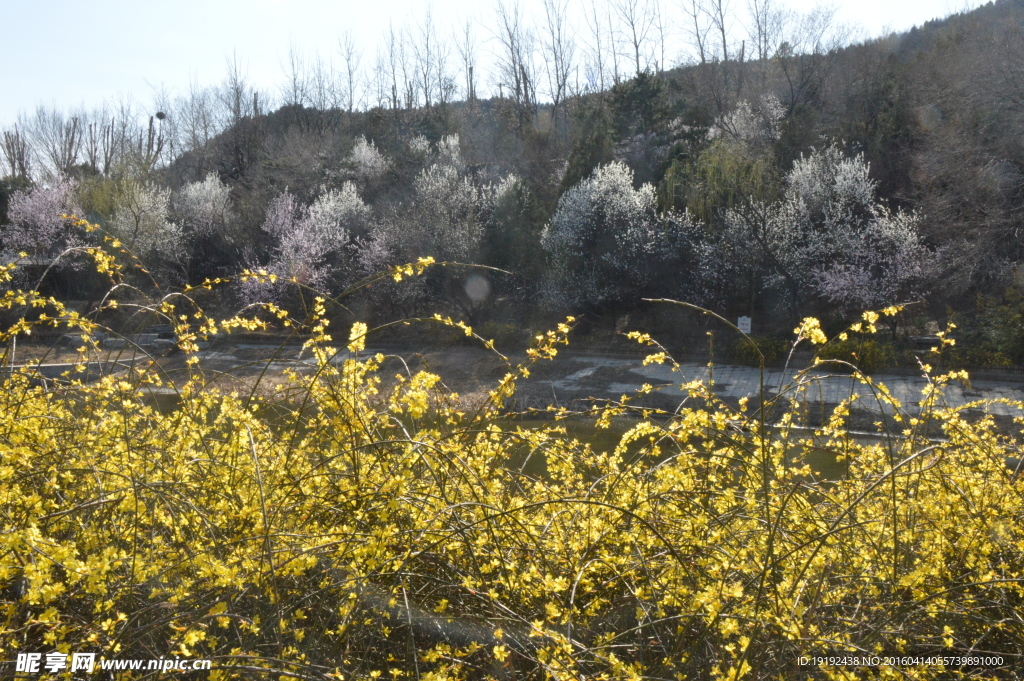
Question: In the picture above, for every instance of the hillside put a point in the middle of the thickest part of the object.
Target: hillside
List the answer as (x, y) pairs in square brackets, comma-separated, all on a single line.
[(820, 179)]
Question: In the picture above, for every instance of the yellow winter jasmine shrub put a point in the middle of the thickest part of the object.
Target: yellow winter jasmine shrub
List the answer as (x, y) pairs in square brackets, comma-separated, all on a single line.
[(367, 527)]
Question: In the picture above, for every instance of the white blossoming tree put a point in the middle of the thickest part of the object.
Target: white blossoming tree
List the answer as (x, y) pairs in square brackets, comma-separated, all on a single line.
[(448, 213), (829, 237), (204, 207), (756, 122), (212, 233), (141, 220), (444, 219), (603, 242), (885, 263), (314, 244), (36, 227), (368, 160)]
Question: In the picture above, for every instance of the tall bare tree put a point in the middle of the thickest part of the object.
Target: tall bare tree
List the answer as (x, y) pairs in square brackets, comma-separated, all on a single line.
[(614, 51), (102, 148), (515, 67), (767, 22), (424, 52), (806, 54), (559, 51), (350, 84), (597, 48), (196, 120), (294, 88), (637, 20), (388, 71), (719, 13), (235, 95), (445, 86), (321, 91), (57, 139), (17, 154), (146, 148), (698, 26), (660, 34), (467, 48)]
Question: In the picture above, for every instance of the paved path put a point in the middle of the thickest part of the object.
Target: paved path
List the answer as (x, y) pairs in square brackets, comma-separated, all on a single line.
[(579, 375), (735, 382), (576, 376)]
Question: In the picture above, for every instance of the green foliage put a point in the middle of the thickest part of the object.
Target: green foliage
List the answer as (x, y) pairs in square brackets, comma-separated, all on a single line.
[(638, 105), (881, 122), (100, 195), (512, 234), (593, 146), (724, 175), (869, 354), (996, 330), (503, 334), (773, 349), (968, 356), (989, 336)]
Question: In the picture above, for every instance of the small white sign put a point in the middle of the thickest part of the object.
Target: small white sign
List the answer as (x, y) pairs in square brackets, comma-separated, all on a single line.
[(744, 324)]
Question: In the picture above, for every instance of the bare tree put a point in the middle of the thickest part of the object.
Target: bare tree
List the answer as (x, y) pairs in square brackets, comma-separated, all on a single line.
[(660, 29), (613, 51), (445, 87), (767, 24), (294, 88), (466, 46), (596, 49), (637, 20), (321, 92), (387, 69), (146, 147), (515, 59), (92, 144), (350, 79), (235, 95), (381, 83), (17, 153), (396, 76), (698, 26), (423, 52), (57, 139), (559, 52), (720, 16), (805, 56), (411, 92), (108, 137), (431, 55), (196, 121), (163, 107)]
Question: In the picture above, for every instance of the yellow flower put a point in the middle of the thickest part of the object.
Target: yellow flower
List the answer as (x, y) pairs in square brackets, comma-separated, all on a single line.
[(357, 337), (810, 328)]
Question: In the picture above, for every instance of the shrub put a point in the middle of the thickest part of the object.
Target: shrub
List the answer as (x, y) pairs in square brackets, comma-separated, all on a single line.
[(774, 351), (867, 354), (504, 335), (363, 526), (604, 240)]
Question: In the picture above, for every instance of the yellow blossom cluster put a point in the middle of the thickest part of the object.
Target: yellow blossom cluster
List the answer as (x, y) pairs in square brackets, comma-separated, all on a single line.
[(370, 528)]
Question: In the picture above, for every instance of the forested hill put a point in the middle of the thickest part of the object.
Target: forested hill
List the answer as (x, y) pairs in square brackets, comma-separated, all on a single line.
[(778, 180)]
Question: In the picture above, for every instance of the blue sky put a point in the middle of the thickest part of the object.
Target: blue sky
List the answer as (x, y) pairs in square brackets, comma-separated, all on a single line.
[(73, 53)]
